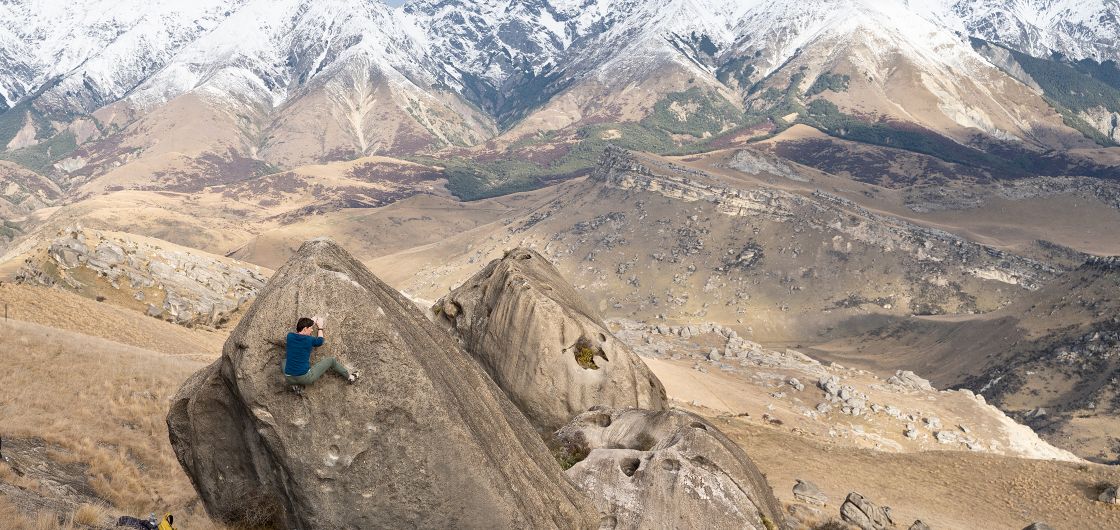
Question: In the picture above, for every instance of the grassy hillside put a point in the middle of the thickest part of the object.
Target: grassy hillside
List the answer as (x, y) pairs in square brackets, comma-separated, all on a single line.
[(86, 414)]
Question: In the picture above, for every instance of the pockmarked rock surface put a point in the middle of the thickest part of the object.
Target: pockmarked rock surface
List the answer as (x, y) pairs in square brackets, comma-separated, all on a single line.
[(666, 469), (424, 440), (543, 344)]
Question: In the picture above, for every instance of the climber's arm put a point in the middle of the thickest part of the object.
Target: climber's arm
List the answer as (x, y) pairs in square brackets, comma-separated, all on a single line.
[(318, 339)]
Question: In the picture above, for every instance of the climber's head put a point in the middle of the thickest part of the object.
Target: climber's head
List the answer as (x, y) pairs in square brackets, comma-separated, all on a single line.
[(304, 326)]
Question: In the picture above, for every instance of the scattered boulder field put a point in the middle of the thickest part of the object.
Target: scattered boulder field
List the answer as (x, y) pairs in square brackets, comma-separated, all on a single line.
[(786, 388)]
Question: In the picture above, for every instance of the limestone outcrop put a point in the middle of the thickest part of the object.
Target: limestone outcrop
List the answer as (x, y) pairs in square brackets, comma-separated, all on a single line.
[(666, 469), (423, 440), (543, 344), (163, 280)]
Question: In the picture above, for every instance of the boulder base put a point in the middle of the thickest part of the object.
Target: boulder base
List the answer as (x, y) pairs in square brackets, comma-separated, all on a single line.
[(666, 469)]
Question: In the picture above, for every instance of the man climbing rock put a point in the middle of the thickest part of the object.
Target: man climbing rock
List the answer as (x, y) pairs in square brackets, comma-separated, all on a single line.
[(297, 366)]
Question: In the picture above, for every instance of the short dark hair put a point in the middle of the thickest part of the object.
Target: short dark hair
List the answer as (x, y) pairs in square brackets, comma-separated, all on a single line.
[(304, 323)]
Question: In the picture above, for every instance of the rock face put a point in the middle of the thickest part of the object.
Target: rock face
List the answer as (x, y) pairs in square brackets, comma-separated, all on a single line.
[(666, 469), (865, 514), (543, 344), (424, 440)]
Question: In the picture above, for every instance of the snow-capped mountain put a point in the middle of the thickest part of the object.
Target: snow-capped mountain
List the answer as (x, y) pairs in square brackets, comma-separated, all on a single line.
[(287, 82), (1078, 29), (92, 52)]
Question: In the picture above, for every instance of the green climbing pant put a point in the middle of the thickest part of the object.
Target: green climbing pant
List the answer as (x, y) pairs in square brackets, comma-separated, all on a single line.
[(317, 370)]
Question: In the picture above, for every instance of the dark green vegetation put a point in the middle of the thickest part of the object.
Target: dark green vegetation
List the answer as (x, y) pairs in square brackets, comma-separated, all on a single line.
[(39, 157), (693, 112), (829, 81), (738, 70), (824, 115), (585, 354), (52, 147), (1073, 85), (1072, 88), (9, 230)]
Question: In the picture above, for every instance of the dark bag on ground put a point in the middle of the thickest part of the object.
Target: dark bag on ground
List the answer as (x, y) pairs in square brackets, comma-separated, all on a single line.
[(132, 522)]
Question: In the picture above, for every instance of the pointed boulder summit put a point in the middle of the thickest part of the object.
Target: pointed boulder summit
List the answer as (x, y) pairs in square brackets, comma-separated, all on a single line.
[(543, 344), (424, 440)]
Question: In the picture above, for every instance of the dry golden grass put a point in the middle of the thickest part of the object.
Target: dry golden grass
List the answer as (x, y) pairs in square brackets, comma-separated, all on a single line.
[(104, 404), (9, 476), (65, 310), (947, 490), (91, 515), (11, 518)]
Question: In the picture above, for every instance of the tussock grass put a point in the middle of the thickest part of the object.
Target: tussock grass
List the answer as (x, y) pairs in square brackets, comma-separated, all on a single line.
[(90, 515), (104, 404)]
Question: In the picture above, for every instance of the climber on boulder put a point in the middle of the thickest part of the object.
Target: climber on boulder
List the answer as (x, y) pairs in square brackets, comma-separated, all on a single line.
[(297, 366)]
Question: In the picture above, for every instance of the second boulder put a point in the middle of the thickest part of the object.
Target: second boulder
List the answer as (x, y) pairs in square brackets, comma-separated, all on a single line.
[(543, 344)]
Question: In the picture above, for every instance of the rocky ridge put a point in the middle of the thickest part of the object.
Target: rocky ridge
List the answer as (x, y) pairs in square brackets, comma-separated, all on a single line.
[(824, 212)]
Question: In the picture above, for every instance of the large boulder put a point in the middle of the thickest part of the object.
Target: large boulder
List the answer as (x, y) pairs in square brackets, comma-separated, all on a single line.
[(859, 511), (543, 344), (424, 440), (666, 469)]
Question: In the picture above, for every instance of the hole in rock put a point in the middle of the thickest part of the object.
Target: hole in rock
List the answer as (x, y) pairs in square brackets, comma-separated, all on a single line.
[(698, 425), (670, 465), (629, 466), (602, 420)]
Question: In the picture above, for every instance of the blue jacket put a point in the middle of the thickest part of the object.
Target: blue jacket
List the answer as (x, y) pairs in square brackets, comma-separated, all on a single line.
[(299, 353)]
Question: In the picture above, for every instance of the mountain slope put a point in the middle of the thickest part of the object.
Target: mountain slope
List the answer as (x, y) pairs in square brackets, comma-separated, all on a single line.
[(520, 93), (248, 84)]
